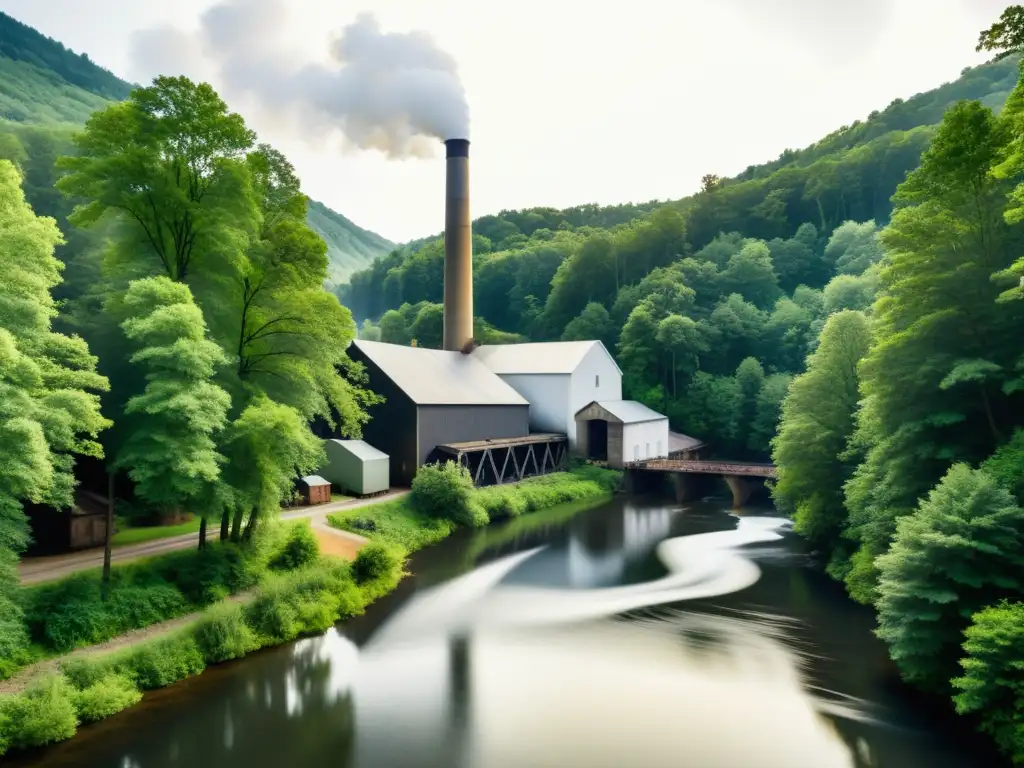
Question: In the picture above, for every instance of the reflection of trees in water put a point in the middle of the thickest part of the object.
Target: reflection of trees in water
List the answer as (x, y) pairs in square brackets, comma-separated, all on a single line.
[(262, 714)]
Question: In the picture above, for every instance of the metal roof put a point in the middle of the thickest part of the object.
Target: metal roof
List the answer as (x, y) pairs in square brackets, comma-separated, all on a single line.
[(314, 480), (439, 377), (359, 449), (542, 357), (680, 442), (630, 411)]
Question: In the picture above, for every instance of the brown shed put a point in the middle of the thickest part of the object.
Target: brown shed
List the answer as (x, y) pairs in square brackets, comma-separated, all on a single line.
[(315, 490)]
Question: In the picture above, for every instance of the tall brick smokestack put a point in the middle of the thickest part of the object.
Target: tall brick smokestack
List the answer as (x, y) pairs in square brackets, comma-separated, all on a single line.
[(458, 249)]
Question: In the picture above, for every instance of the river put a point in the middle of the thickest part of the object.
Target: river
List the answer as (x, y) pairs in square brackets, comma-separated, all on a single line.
[(631, 635)]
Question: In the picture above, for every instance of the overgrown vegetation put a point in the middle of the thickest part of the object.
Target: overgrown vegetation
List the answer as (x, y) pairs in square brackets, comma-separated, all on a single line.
[(447, 499), (900, 449), (305, 601)]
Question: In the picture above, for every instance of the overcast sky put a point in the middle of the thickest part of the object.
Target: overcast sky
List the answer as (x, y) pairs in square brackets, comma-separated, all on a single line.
[(574, 102)]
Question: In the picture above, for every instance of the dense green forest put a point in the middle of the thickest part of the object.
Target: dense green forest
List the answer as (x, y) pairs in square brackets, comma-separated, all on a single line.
[(192, 316), (901, 448)]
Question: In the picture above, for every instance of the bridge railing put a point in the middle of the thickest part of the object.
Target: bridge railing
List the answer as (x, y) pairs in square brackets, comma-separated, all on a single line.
[(704, 467)]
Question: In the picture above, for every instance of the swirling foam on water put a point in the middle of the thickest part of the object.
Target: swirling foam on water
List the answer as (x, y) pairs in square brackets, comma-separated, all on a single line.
[(700, 566)]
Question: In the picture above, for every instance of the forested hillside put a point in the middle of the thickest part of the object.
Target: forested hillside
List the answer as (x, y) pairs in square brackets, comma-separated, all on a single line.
[(48, 91), (349, 247), (41, 81)]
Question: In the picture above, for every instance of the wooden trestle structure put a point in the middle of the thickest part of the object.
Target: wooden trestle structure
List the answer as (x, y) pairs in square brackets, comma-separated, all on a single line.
[(509, 460)]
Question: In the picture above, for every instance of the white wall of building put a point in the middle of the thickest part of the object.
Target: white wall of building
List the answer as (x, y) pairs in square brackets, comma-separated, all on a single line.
[(595, 378), (548, 395), (646, 440)]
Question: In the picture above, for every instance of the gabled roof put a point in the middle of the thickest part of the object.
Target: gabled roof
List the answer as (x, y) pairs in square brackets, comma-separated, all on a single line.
[(439, 377), (558, 357), (628, 411), (360, 449), (314, 480)]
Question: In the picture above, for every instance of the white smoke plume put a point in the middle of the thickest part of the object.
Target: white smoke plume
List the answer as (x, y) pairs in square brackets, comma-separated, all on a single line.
[(395, 92)]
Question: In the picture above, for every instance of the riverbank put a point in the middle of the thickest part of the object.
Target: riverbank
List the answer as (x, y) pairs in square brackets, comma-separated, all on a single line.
[(83, 687), (37, 570), (404, 528)]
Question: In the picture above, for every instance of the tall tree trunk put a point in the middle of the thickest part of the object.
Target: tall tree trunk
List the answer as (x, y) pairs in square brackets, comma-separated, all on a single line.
[(250, 525), (109, 535), (225, 524), (236, 524), (996, 437), (202, 533)]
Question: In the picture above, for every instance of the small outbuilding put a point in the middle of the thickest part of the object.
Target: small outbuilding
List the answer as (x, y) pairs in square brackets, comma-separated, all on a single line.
[(315, 490), (621, 431), (356, 467)]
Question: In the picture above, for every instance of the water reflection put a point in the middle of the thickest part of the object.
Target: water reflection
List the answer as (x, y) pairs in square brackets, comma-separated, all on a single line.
[(633, 635)]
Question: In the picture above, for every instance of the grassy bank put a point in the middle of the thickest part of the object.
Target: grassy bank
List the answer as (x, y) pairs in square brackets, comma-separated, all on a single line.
[(287, 604), (294, 592), (428, 515)]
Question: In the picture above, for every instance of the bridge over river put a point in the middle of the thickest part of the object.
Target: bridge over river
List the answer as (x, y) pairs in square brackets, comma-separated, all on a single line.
[(689, 476)]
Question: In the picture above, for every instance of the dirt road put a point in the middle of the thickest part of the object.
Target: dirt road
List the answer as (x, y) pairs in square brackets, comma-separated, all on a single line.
[(34, 570)]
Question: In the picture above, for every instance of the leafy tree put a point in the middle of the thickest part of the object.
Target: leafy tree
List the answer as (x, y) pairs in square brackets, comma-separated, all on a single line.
[(991, 686), (749, 380), (932, 382), (268, 446), (1006, 465), (854, 247), (787, 335), (768, 412), (709, 408), (1006, 35), (681, 339), (593, 322), (393, 328), (170, 450), (751, 274), (734, 331), (960, 551), (810, 449), (48, 410), (427, 328), (169, 163)]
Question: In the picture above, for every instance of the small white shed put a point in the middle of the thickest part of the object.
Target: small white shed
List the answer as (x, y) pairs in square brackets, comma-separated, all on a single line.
[(621, 431), (356, 467), (558, 378)]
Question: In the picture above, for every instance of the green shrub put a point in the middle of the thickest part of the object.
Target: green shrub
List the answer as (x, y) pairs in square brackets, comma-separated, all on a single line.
[(71, 613), (300, 548), (209, 575), (222, 634), (272, 617), (961, 550), (446, 491), (160, 662), (398, 524), (43, 714), (105, 698), (374, 561), (15, 651), (991, 687)]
